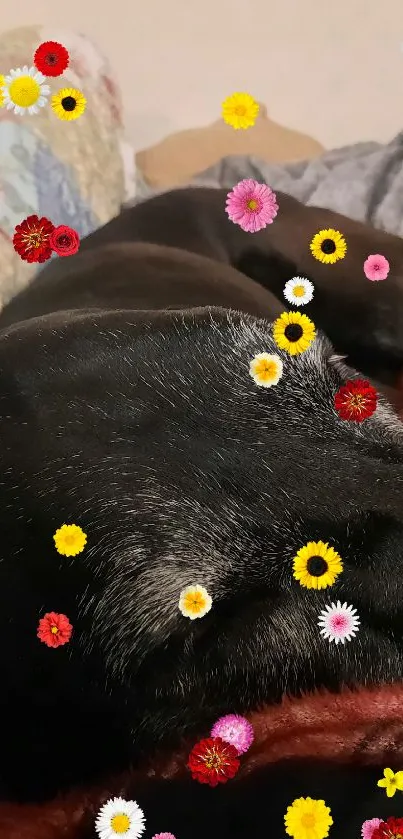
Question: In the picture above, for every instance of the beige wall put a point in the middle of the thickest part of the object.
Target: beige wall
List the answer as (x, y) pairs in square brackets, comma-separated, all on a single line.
[(334, 70)]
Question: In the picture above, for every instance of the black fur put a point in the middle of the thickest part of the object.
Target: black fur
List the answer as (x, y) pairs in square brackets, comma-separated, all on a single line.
[(145, 428)]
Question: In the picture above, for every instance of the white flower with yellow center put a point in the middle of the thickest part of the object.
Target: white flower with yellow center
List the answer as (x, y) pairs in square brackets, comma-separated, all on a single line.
[(194, 602), (298, 291), (24, 90), (119, 817)]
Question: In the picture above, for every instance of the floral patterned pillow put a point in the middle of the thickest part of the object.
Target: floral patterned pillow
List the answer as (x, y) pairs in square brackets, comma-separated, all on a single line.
[(71, 172)]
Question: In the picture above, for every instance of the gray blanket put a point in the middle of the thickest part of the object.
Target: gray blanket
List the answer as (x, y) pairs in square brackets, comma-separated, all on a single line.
[(363, 181)]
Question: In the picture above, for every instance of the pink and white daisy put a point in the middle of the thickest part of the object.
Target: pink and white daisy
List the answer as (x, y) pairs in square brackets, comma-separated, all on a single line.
[(251, 205), (369, 827), (376, 267), (235, 730), (339, 622)]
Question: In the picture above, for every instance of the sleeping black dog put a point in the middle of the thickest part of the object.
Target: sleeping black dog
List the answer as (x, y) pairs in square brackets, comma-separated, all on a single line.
[(127, 407)]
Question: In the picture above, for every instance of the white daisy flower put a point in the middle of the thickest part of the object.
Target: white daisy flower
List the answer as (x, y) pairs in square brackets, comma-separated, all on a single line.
[(339, 622), (266, 370), (120, 818), (298, 291), (24, 90)]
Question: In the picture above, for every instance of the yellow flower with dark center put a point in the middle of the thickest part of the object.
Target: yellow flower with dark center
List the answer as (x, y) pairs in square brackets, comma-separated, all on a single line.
[(308, 818), (240, 110), (328, 246), (266, 370), (391, 781), (68, 103), (317, 565), (293, 332), (70, 540)]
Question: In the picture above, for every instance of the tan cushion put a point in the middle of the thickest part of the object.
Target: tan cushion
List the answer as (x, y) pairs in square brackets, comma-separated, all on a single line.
[(177, 158)]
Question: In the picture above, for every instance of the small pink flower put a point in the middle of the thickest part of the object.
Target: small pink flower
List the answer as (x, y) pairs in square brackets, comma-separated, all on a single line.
[(368, 828), (164, 836), (235, 730), (376, 267), (251, 205)]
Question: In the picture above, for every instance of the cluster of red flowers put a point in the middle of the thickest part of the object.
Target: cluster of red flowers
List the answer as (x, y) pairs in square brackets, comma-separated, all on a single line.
[(35, 239), (391, 829), (54, 630), (356, 400), (51, 58)]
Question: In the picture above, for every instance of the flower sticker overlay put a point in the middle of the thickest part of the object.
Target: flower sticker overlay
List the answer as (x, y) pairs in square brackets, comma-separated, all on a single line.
[(376, 267), (119, 817), (293, 332), (298, 291), (194, 602), (70, 540), (25, 90), (240, 110), (266, 370), (367, 830), (54, 630), (64, 240), (213, 761), (339, 623), (356, 401), (236, 730), (308, 818), (328, 246), (391, 781), (317, 565), (68, 104), (251, 205), (51, 58)]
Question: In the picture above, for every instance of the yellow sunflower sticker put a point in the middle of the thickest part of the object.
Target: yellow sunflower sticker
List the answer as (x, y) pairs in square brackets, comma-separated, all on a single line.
[(68, 103), (293, 332), (317, 565), (328, 246)]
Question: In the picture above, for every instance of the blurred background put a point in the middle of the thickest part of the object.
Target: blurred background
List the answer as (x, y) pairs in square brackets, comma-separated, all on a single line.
[(331, 70)]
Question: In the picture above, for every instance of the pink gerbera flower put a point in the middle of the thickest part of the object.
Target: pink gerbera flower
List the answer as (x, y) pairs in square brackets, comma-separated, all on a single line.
[(164, 836), (235, 730), (376, 267), (339, 623), (251, 205), (368, 828)]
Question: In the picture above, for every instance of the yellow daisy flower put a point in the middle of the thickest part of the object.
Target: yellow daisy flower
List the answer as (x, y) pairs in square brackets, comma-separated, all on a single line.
[(240, 110), (266, 370), (68, 103), (391, 782), (328, 246), (317, 565), (293, 332), (70, 540), (308, 818), (194, 602)]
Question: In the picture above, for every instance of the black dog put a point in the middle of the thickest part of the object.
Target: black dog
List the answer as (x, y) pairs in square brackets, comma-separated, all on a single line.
[(127, 407)]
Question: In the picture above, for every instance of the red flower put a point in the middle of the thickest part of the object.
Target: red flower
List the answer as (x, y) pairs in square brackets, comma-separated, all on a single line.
[(64, 240), (356, 400), (31, 239), (54, 630), (51, 58), (391, 829), (213, 761)]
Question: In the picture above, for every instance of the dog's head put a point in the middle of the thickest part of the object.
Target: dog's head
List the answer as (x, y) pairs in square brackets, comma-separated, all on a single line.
[(155, 439)]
